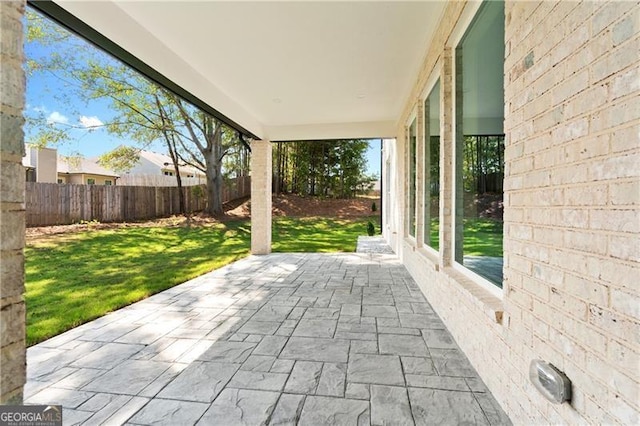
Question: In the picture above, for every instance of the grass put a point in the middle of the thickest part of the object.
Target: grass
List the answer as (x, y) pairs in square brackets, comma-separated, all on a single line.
[(319, 234), (482, 237), (72, 279)]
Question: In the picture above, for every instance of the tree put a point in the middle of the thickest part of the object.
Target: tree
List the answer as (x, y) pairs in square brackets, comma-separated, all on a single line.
[(144, 111), (327, 169)]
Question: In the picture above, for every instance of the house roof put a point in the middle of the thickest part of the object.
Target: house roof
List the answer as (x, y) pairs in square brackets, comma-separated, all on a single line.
[(282, 70), (163, 161), (83, 165)]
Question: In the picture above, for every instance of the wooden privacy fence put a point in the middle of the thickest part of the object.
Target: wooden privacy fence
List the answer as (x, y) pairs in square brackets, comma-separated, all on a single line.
[(158, 180), (64, 204)]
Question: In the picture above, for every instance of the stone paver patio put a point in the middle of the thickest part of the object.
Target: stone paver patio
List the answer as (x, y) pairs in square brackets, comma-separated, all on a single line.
[(310, 339)]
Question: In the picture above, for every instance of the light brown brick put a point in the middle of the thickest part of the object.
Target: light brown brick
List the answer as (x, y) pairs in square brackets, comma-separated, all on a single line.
[(615, 324), (625, 193), (11, 274), (624, 356)]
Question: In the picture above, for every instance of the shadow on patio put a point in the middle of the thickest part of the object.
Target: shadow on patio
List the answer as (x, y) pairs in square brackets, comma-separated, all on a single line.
[(278, 339)]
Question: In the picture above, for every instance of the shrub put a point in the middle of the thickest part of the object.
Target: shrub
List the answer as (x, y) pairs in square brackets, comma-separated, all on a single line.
[(374, 207), (371, 230)]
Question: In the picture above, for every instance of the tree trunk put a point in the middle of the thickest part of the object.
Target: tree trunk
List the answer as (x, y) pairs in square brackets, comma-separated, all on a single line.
[(213, 161), (278, 171), (174, 158), (214, 186), (173, 153)]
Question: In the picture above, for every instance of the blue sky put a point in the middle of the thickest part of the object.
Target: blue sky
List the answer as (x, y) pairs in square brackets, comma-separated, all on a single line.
[(47, 97)]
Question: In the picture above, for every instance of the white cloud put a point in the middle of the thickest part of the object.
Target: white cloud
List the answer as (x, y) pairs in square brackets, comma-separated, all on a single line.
[(56, 117), (90, 122)]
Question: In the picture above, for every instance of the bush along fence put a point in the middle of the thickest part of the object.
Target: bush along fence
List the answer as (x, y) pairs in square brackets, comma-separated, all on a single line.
[(64, 204)]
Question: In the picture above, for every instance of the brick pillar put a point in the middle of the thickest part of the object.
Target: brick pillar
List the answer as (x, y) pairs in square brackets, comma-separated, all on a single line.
[(261, 176), (458, 147), (447, 152), (12, 215)]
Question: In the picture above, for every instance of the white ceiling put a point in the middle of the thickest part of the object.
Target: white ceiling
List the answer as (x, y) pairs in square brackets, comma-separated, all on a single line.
[(283, 70)]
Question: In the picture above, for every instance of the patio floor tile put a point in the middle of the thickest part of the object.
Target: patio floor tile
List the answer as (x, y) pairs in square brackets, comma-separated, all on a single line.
[(200, 382), (322, 410), (241, 407), (401, 344), (258, 380), (378, 369), (314, 349), (315, 328), (288, 410), (129, 378), (282, 339), (235, 352), (304, 377), (332, 380), (437, 407), (169, 412), (390, 405), (108, 356)]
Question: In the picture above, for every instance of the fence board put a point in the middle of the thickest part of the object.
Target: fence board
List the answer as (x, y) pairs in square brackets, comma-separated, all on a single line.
[(64, 204)]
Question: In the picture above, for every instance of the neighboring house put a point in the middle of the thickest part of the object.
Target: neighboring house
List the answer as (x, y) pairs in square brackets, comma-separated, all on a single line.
[(84, 171), (44, 165), (154, 169), (40, 164)]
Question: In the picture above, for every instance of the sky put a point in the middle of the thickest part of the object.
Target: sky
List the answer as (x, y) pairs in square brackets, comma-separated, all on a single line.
[(49, 98)]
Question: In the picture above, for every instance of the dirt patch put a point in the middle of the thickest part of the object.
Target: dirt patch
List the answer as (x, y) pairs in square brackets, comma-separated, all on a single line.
[(283, 205), (296, 206)]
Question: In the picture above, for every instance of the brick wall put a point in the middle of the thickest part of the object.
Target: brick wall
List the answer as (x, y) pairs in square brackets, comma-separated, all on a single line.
[(12, 308), (572, 195), (572, 86)]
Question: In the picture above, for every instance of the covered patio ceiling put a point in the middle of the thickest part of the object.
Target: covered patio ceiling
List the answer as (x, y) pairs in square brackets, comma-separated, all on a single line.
[(282, 70)]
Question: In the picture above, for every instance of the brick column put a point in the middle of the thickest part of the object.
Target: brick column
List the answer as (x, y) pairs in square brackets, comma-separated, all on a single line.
[(12, 215), (420, 175), (261, 176), (447, 152)]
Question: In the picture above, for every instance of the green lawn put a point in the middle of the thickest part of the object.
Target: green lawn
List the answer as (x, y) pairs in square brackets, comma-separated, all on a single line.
[(482, 237), (319, 234), (72, 279)]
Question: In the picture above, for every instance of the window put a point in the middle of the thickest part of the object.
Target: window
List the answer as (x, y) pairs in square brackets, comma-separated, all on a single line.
[(167, 173), (432, 168), (91, 181), (479, 158), (30, 175), (412, 179), (386, 187), (108, 182)]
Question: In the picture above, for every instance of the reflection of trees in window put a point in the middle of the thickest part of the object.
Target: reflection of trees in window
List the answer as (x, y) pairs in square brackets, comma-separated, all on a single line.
[(483, 164), (434, 165), (431, 201), (412, 179), (479, 150)]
